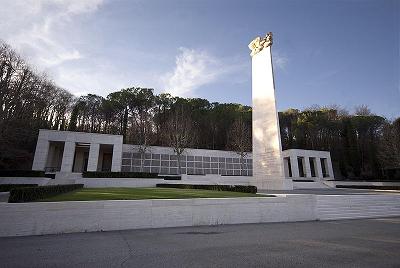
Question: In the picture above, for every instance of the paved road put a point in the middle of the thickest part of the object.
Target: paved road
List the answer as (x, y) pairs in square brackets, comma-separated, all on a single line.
[(350, 243)]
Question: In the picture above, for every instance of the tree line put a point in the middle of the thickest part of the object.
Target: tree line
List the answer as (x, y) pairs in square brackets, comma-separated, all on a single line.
[(363, 145)]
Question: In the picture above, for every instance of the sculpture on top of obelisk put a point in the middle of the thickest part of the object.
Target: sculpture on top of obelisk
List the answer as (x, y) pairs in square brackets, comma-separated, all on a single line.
[(268, 172), (259, 44)]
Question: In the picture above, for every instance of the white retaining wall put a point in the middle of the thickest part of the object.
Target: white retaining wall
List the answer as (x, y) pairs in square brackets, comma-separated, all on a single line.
[(24, 180), (81, 216), (39, 218)]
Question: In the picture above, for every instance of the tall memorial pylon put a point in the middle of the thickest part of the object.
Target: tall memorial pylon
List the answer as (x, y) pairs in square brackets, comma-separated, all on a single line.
[(268, 170)]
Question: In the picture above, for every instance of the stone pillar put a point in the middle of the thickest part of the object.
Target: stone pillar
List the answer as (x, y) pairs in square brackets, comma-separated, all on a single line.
[(307, 167), (318, 168), (295, 166), (68, 156), (93, 157), (329, 167), (117, 157), (286, 167), (41, 153)]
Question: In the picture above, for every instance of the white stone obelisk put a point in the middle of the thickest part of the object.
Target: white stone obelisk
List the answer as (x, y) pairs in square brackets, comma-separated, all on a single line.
[(268, 169)]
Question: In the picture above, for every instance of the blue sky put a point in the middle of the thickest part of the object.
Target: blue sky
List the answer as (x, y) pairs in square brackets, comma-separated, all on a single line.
[(325, 52)]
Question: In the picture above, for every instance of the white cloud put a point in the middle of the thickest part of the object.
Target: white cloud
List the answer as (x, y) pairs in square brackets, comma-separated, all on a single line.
[(193, 69), (40, 30), (29, 26), (279, 60)]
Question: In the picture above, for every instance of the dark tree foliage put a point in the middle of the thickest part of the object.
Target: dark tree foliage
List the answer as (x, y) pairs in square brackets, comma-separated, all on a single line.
[(356, 142)]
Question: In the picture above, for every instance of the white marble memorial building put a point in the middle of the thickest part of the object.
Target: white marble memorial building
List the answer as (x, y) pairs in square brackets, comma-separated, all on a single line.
[(71, 153)]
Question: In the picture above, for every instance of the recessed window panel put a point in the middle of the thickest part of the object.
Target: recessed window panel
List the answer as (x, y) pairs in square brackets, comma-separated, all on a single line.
[(155, 170), (125, 168), (183, 164), (136, 169), (198, 164), (155, 162), (126, 162), (146, 169)]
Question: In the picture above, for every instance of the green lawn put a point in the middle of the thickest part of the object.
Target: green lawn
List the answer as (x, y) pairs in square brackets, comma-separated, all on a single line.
[(92, 194)]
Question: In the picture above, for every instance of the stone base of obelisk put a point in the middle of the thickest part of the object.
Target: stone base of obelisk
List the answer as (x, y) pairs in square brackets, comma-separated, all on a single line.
[(263, 183)]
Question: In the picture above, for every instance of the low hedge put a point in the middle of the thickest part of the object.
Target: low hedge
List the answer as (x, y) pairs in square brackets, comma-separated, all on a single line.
[(231, 188), (28, 194), (171, 178), (8, 187), (21, 173), (375, 187)]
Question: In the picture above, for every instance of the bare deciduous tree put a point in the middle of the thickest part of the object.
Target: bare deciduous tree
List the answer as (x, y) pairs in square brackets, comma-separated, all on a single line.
[(239, 139), (179, 132)]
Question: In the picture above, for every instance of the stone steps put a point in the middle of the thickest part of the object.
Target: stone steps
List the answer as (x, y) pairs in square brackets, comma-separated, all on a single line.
[(357, 206), (309, 185)]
